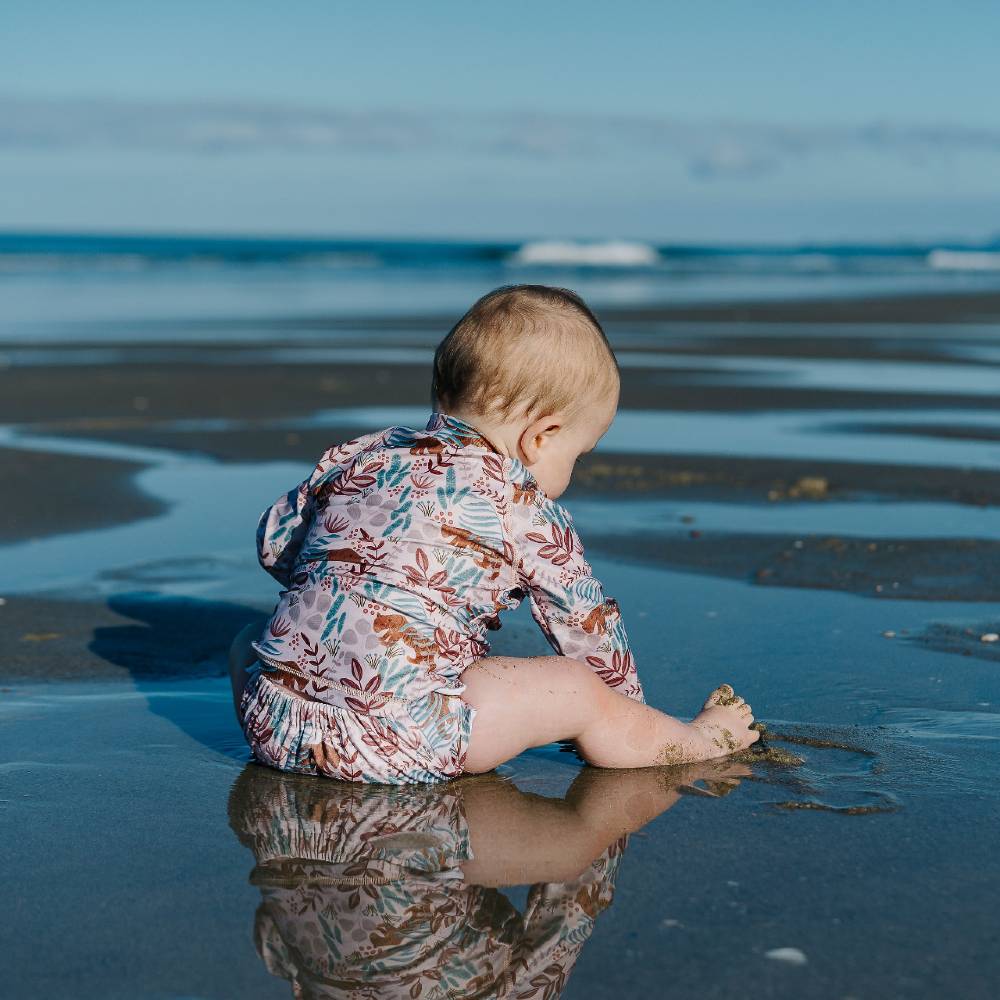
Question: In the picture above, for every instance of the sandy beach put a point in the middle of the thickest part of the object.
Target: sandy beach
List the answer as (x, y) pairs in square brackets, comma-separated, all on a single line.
[(798, 497)]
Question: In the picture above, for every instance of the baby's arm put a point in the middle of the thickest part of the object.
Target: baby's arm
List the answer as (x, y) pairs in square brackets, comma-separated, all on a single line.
[(567, 600), (282, 528)]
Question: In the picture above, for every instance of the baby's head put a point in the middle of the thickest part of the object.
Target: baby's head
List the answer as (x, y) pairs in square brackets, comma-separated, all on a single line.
[(531, 369)]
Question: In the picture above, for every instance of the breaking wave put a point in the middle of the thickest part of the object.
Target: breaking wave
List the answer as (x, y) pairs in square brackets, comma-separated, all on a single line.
[(964, 260), (613, 253)]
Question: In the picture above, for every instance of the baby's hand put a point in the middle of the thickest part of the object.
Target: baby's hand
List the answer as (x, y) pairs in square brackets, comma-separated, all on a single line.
[(725, 721)]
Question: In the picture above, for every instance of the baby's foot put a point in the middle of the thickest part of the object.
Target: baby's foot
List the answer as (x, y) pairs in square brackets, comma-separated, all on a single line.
[(724, 721)]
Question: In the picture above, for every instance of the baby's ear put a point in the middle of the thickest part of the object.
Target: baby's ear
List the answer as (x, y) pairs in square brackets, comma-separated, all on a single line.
[(535, 436)]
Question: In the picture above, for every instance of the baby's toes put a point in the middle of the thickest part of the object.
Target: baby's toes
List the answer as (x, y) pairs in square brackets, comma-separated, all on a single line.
[(720, 695)]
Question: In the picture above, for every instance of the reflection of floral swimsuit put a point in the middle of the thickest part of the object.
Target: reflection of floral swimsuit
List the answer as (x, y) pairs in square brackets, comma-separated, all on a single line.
[(398, 554), (362, 895)]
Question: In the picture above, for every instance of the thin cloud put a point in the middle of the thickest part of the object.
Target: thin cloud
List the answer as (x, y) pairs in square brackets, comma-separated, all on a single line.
[(733, 159), (708, 150)]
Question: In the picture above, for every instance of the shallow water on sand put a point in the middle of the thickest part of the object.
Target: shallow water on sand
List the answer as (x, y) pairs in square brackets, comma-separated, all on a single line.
[(143, 856), (202, 544), (153, 886), (851, 858)]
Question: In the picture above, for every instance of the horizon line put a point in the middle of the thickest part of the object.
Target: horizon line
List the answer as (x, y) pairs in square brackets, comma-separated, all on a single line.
[(276, 236)]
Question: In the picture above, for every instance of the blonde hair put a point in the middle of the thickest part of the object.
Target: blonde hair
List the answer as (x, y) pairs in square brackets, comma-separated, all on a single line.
[(524, 350)]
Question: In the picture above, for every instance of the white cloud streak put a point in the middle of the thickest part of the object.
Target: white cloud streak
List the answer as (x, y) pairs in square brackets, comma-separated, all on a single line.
[(708, 150)]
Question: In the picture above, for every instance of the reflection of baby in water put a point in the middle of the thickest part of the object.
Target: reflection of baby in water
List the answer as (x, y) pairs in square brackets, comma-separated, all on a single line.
[(391, 891)]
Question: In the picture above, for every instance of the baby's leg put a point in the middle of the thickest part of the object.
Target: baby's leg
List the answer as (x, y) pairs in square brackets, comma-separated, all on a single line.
[(240, 657), (528, 702)]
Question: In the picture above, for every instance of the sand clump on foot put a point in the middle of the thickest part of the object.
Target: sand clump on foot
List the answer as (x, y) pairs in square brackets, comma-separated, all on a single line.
[(725, 721)]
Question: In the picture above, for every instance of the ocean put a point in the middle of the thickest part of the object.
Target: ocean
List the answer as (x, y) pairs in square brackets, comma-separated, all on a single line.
[(74, 287)]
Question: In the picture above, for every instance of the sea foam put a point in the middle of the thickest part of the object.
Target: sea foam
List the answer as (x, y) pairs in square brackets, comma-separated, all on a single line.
[(613, 253), (964, 260)]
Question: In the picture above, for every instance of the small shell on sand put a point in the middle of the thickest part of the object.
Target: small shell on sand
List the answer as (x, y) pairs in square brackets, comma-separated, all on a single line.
[(790, 955)]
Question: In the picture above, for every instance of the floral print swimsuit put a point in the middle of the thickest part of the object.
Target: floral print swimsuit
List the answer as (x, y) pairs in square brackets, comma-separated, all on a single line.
[(397, 555)]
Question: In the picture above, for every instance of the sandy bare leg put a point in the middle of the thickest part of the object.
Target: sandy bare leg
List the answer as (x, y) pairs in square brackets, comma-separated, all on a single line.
[(529, 702)]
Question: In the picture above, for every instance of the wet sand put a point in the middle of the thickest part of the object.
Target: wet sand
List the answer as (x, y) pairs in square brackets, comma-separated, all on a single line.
[(43, 496), (801, 499), (255, 400), (915, 308)]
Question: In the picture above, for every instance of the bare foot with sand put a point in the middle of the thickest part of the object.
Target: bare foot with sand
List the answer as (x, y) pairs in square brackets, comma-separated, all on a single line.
[(724, 720)]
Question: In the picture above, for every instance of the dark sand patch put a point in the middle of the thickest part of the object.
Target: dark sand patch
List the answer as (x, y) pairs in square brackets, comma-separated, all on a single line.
[(245, 444), (943, 432), (937, 307), (676, 391), (712, 477), (882, 804), (961, 639), (141, 636), (817, 344), (822, 341), (960, 307), (948, 569), (91, 394), (146, 636), (765, 752), (105, 400), (46, 494)]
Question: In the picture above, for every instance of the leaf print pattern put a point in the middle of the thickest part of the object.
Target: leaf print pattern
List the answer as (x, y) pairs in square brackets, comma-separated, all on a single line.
[(566, 599), (399, 553), (560, 549)]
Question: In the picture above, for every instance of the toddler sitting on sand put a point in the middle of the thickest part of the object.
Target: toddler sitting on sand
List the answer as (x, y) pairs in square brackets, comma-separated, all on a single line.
[(402, 549)]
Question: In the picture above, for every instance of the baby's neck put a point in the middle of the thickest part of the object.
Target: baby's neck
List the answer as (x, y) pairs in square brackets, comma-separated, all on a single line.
[(503, 436)]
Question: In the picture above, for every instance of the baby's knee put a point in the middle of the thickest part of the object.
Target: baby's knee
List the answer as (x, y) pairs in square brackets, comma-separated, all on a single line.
[(241, 656), (582, 675), (241, 653)]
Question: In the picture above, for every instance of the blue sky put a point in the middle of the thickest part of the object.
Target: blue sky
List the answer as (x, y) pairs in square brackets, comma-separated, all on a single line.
[(668, 121)]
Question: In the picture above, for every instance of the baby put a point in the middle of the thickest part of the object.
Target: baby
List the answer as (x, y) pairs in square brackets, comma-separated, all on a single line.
[(403, 548)]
